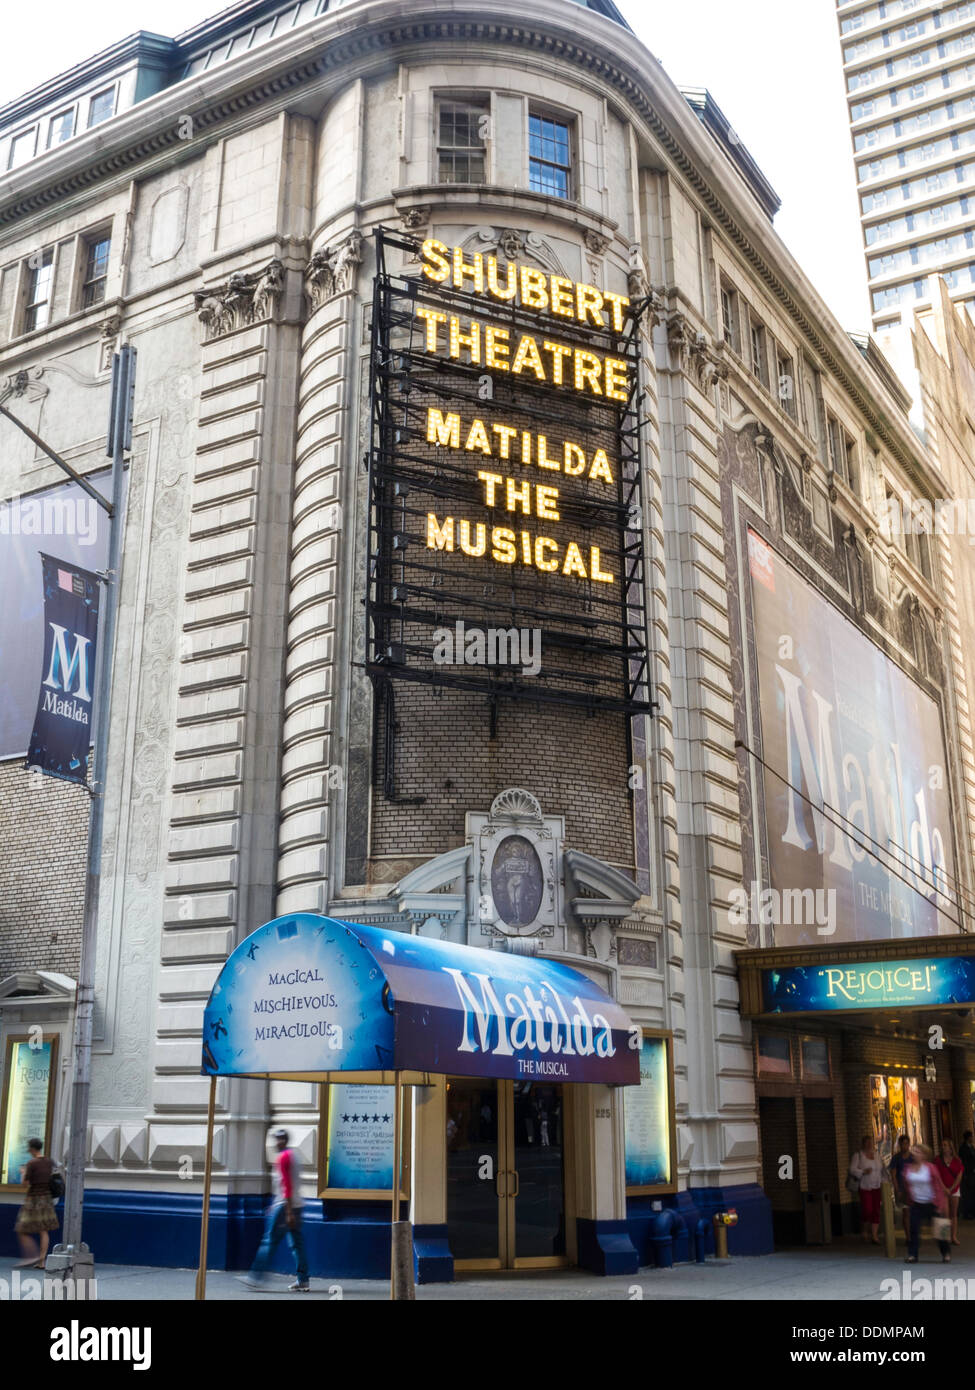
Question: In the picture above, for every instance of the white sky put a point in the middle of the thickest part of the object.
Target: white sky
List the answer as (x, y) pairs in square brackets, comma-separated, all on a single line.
[(773, 66)]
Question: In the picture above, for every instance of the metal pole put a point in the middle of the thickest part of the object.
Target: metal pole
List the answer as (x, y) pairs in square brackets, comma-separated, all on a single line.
[(73, 1252), (201, 1273), (394, 1218)]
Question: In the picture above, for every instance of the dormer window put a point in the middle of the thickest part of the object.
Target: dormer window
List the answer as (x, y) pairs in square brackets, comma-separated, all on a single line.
[(101, 106), (23, 147), (61, 128)]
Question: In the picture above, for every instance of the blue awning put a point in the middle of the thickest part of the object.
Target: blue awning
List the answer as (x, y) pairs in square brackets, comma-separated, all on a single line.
[(305, 995)]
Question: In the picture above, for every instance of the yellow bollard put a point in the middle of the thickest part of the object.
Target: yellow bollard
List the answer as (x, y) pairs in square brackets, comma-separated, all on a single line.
[(722, 1220)]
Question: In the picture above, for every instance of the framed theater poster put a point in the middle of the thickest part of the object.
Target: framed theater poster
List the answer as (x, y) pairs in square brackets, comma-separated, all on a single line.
[(27, 1103), (880, 1117), (649, 1124), (356, 1141)]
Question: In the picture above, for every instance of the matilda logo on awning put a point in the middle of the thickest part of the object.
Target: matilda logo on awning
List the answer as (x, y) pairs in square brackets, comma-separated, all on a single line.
[(527, 1023), (62, 725)]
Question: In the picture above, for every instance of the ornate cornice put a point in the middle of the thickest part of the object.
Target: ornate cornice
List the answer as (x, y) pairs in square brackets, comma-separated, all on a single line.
[(240, 301)]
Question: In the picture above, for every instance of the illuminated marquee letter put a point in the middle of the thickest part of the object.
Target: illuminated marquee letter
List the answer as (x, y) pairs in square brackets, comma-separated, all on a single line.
[(433, 320), (534, 288), (440, 537), (474, 269), (433, 255), (443, 429), (510, 289)]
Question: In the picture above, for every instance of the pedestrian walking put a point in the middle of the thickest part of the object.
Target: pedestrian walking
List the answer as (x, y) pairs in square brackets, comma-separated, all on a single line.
[(967, 1155), (901, 1157), (951, 1170), (283, 1218), (37, 1216), (929, 1202), (867, 1172)]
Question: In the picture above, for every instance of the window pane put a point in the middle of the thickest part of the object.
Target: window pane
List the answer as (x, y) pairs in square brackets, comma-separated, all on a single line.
[(101, 106), (774, 1055), (22, 147), (460, 143), (39, 293), (96, 271), (815, 1057), (61, 128), (545, 178)]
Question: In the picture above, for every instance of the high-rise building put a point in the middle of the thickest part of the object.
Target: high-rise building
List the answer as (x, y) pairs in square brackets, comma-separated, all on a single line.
[(910, 80)]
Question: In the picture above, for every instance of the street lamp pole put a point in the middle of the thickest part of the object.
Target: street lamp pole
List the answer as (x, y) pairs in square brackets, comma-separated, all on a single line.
[(72, 1257)]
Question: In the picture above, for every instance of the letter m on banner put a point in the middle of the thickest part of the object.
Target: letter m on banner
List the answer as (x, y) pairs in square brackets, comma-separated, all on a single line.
[(64, 720)]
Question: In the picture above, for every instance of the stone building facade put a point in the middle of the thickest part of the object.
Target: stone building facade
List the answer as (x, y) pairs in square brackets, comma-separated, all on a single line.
[(249, 770)]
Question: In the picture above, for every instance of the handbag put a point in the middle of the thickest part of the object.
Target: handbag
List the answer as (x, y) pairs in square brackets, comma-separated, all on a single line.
[(56, 1186), (941, 1228), (852, 1183)]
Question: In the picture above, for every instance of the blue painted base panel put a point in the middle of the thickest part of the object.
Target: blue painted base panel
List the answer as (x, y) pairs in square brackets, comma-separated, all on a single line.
[(351, 1239)]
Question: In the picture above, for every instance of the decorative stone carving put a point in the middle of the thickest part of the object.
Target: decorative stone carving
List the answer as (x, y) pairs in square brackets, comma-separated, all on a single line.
[(243, 300), (680, 340), (332, 270), (511, 243), (596, 245), (692, 349), (25, 383), (514, 803), (637, 280)]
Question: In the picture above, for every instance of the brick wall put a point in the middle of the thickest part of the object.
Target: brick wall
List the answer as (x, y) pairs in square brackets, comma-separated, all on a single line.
[(43, 844), (575, 763)]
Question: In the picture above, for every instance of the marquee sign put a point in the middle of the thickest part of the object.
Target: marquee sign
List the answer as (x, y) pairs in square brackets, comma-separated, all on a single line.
[(845, 986), (504, 480)]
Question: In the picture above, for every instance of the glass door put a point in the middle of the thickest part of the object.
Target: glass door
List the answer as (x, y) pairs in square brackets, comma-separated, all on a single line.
[(506, 1186), (475, 1172)]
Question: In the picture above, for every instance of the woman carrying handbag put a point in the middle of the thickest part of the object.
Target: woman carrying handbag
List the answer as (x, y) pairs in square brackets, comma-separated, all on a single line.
[(928, 1199), (865, 1177)]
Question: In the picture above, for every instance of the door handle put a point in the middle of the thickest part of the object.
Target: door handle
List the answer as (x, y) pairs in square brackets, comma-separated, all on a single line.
[(514, 1174), (497, 1182)]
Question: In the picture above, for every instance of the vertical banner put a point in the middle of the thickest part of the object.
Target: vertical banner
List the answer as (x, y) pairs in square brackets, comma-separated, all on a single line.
[(27, 1103), (64, 720)]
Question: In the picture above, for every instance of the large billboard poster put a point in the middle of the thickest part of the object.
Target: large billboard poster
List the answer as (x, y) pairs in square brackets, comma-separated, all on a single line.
[(69, 526), (857, 806)]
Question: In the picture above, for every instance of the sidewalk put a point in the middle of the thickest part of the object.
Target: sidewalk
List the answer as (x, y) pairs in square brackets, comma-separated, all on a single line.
[(847, 1271)]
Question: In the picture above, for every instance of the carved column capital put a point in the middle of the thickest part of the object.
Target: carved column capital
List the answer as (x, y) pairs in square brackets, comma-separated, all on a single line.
[(242, 300), (332, 270)]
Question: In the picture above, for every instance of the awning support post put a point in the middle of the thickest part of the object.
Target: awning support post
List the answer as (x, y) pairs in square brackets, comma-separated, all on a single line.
[(401, 1285), (201, 1273)]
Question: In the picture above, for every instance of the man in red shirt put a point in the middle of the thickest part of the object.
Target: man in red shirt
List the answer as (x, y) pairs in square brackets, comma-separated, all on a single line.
[(283, 1218)]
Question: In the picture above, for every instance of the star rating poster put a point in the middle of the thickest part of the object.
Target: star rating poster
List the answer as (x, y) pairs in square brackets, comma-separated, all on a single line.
[(360, 1137)]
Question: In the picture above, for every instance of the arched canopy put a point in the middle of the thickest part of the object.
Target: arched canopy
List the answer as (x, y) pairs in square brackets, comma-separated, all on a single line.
[(309, 996)]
